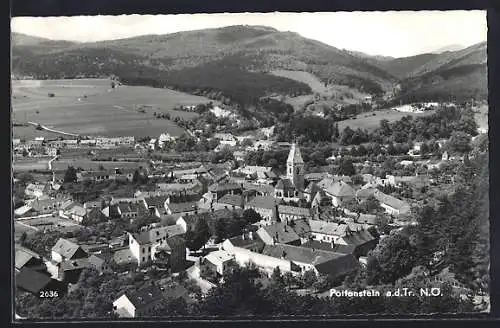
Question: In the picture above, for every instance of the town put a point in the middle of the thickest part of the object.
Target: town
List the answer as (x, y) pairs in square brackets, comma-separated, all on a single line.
[(175, 228)]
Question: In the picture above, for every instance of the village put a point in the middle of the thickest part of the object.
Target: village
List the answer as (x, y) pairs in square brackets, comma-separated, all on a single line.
[(198, 220)]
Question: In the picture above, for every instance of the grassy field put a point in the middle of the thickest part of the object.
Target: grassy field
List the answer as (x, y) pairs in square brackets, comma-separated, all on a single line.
[(92, 107), (30, 132), (370, 122), (304, 77), (87, 164), (24, 165)]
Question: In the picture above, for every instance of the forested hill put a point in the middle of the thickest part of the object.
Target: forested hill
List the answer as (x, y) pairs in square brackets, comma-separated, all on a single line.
[(244, 55)]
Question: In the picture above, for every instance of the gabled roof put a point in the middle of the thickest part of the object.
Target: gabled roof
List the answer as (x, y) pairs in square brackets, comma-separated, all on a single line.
[(294, 156), (294, 210), (66, 248), (77, 264), (301, 227), (266, 202), (359, 238), (127, 207), (226, 186), (156, 201), (233, 200), (391, 201), (280, 232), (247, 240), (366, 192), (145, 296), (340, 189), (23, 256), (32, 281), (182, 207), (328, 228), (219, 257), (96, 261)]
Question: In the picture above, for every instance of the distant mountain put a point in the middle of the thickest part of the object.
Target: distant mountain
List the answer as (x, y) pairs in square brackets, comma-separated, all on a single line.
[(219, 62), (451, 47)]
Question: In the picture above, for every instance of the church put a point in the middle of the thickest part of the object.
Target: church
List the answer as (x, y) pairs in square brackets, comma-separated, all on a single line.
[(291, 187)]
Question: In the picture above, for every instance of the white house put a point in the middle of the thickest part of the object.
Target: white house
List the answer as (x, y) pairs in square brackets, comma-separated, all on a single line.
[(137, 303), (219, 260)]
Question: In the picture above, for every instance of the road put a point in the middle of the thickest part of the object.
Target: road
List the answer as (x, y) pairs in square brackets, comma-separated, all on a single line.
[(50, 162), (52, 130)]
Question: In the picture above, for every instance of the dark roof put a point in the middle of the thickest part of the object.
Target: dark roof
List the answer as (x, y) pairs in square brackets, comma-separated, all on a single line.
[(144, 296), (301, 227), (392, 201), (282, 232), (182, 207), (284, 184), (234, 200), (23, 256), (127, 207), (329, 247), (365, 193), (32, 281), (267, 202), (66, 248), (324, 261), (123, 256), (77, 264), (96, 261), (359, 238), (156, 201), (248, 240)]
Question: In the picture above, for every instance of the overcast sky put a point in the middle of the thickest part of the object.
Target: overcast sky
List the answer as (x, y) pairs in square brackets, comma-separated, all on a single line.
[(395, 34)]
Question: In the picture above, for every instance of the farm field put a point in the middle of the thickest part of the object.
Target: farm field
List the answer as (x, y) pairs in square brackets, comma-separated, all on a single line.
[(92, 107), (30, 132), (24, 165), (87, 164), (369, 122)]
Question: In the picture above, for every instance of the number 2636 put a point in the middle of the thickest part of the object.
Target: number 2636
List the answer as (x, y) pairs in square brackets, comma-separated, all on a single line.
[(49, 294)]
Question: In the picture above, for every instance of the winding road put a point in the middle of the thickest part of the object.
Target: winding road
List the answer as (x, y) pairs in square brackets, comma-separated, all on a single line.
[(52, 130)]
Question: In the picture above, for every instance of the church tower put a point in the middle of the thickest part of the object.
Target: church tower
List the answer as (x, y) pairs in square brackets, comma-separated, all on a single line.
[(295, 167)]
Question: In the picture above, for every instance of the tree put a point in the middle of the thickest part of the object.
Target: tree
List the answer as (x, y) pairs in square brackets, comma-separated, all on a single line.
[(199, 236), (70, 174), (309, 278), (251, 216), (346, 167), (459, 142)]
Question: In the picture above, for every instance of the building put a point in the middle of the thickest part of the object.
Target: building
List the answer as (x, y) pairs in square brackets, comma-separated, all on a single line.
[(138, 303), (144, 245), (156, 204), (266, 206), (247, 240), (279, 232), (46, 206), (291, 213), (231, 202), (69, 271), (291, 187), (218, 190), (65, 250), (100, 262), (218, 261), (26, 258), (391, 204), (38, 283), (338, 191), (36, 190)]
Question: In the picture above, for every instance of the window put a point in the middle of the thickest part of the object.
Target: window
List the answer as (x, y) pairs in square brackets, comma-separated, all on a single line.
[(143, 259), (149, 249), (143, 250)]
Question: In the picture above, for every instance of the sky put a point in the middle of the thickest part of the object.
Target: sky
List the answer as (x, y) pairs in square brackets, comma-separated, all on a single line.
[(395, 34)]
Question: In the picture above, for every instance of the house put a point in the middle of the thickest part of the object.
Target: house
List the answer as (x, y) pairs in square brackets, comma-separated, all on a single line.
[(75, 212), (266, 206), (100, 262), (310, 191), (145, 244), (38, 283), (334, 264), (262, 173), (65, 250), (26, 258), (218, 261), (188, 221), (70, 270), (88, 143), (239, 155), (224, 137), (230, 201), (328, 231), (46, 206), (220, 189), (171, 254), (156, 204), (181, 208), (291, 213), (391, 204), (279, 232), (51, 151), (262, 145), (247, 240), (140, 303), (127, 210), (338, 191), (260, 189)]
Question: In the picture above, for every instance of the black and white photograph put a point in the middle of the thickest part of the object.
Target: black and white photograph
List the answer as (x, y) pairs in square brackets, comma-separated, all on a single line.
[(250, 165)]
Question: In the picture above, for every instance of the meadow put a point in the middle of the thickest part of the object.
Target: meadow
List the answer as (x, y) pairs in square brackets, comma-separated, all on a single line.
[(93, 107), (24, 165), (370, 122)]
